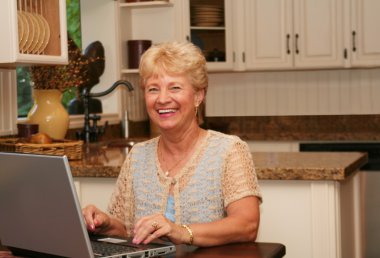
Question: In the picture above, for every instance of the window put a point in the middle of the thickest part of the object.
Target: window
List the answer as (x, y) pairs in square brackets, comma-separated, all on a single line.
[(24, 88)]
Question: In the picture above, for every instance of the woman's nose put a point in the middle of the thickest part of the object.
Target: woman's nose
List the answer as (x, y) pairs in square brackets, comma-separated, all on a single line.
[(163, 96)]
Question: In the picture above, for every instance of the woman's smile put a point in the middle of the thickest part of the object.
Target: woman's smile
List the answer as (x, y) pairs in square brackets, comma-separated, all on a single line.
[(167, 112)]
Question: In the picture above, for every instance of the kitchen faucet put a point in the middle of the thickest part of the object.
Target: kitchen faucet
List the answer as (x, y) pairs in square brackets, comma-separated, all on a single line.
[(91, 134)]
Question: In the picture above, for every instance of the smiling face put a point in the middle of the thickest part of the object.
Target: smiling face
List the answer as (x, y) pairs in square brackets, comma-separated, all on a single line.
[(171, 101)]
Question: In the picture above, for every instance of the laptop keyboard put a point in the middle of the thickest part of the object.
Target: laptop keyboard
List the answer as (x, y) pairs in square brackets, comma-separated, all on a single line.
[(107, 249)]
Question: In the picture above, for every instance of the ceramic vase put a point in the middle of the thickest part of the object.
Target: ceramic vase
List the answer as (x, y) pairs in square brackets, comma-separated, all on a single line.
[(49, 113)]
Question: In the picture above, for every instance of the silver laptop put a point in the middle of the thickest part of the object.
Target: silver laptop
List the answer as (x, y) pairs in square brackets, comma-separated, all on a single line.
[(40, 214)]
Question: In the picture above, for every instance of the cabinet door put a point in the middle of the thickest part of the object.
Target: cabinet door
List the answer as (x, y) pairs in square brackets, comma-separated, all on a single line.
[(365, 33), (33, 32), (318, 33), (268, 34), (209, 26)]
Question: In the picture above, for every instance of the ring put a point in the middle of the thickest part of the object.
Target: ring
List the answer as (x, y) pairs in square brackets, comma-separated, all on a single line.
[(155, 225)]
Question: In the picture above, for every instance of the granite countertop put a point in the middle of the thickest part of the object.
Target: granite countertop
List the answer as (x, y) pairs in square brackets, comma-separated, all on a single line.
[(101, 160)]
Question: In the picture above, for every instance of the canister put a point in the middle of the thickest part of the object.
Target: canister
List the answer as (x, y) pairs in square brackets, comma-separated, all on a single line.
[(135, 50)]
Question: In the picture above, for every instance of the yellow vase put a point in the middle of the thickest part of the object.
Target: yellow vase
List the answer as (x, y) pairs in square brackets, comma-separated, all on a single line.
[(49, 113)]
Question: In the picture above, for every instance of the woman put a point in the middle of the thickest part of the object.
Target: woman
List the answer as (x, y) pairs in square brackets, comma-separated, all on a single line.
[(190, 185)]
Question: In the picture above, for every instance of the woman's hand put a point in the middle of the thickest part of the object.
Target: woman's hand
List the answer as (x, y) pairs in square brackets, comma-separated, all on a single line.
[(96, 220), (156, 226)]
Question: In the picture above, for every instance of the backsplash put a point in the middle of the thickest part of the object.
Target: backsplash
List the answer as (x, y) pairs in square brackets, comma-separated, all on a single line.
[(327, 92), (300, 128)]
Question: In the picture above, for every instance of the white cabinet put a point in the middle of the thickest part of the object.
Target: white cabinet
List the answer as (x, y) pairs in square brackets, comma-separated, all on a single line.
[(312, 218), (363, 35), (33, 32), (318, 36), (269, 34), (93, 190), (251, 35), (283, 34), (209, 26)]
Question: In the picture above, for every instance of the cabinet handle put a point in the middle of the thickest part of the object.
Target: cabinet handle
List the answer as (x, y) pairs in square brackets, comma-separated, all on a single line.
[(287, 44), (243, 57), (188, 38), (296, 43), (353, 41)]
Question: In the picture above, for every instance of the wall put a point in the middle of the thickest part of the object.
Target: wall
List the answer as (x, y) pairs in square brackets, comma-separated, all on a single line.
[(330, 92), (8, 102), (99, 23)]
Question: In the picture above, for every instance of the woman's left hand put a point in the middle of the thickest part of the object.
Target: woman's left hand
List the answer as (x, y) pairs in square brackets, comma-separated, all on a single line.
[(156, 226)]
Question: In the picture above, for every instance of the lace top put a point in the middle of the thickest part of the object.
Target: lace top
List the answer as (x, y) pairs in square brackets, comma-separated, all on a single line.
[(220, 171)]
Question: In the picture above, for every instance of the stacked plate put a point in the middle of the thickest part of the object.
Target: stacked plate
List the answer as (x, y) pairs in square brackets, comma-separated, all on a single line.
[(207, 15), (33, 32)]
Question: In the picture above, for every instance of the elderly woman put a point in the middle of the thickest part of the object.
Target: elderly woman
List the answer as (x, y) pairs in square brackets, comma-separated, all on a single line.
[(190, 185)]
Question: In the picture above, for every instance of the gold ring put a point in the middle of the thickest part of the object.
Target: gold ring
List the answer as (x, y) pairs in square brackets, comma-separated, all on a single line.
[(155, 225)]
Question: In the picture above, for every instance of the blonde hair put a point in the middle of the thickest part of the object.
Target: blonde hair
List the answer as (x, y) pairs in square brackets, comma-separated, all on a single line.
[(179, 58)]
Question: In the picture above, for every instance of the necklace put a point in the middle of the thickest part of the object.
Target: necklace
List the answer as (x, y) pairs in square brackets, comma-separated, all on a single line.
[(167, 171)]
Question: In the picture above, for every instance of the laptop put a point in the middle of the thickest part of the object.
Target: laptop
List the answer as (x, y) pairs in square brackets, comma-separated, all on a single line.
[(40, 215)]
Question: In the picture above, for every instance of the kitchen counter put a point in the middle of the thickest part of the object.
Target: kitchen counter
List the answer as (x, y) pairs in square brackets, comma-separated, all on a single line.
[(104, 160)]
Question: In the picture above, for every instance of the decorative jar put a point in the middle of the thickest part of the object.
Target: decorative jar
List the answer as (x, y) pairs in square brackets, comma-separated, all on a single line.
[(49, 113)]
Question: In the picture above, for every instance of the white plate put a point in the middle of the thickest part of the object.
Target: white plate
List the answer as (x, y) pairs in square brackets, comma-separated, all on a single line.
[(32, 33), (47, 35), (37, 33), (26, 32), (20, 28), (41, 37)]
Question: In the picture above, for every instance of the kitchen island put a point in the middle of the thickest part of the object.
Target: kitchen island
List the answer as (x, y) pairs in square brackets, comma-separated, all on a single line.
[(310, 199)]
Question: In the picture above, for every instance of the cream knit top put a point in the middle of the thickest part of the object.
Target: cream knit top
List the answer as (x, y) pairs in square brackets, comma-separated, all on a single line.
[(219, 172)]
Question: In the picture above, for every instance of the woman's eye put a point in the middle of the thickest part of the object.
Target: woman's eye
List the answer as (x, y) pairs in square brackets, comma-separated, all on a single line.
[(175, 88), (152, 89)]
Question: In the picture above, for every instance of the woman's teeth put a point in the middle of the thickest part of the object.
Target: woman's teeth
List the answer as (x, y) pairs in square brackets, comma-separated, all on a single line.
[(165, 111)]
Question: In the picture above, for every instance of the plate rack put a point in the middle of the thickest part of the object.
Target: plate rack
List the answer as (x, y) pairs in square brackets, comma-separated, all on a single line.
[(38, 27)]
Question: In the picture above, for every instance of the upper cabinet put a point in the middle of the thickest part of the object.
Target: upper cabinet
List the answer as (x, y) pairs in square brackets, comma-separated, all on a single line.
[(252, 35), (318, 33), (284, 34), (208, 24), (363, 34), (33, 32), (267, 34)]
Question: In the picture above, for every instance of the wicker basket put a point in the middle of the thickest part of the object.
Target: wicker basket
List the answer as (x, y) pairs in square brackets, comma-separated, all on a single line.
[(72, 149)]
